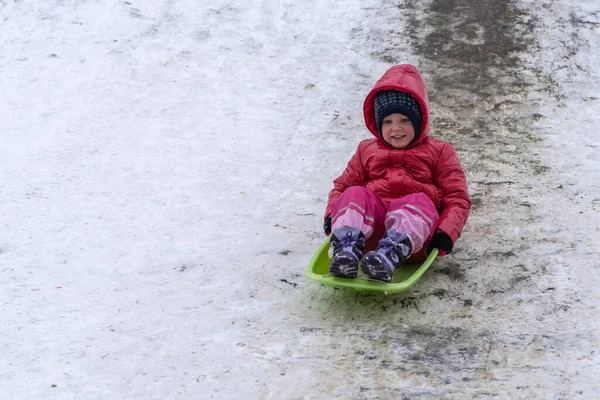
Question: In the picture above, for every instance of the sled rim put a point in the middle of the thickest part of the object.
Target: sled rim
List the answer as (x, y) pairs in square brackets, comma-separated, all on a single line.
[(405, 277)]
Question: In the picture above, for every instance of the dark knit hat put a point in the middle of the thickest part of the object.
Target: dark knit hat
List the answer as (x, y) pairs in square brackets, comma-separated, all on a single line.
[(392, 101)]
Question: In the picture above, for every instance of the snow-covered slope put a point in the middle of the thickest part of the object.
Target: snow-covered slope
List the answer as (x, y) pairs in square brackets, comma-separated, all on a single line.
[(164, 168)]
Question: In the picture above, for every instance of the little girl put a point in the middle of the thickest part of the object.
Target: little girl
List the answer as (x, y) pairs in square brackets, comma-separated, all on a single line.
[(403, 189)]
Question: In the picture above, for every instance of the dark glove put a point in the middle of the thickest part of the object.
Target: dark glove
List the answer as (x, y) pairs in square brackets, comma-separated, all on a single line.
[(327, 225), (442, 242)]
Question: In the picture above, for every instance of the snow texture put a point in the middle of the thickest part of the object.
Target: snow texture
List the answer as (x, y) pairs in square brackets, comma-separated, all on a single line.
[(164, 170)]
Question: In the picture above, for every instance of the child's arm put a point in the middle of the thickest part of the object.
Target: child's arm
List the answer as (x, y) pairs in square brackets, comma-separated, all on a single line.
[(354, 175), (450, 178)]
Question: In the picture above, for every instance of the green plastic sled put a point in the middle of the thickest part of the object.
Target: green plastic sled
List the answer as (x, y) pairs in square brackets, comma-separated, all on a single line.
[(404, 277)]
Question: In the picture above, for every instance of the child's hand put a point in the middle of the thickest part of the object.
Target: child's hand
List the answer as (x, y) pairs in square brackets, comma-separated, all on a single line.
[(442, 242), (327, 226)]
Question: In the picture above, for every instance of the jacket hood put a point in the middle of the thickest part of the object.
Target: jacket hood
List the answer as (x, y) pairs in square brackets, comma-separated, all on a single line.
[(403, 78)]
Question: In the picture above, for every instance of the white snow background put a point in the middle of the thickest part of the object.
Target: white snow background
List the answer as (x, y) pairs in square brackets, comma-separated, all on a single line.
[(164, 167)]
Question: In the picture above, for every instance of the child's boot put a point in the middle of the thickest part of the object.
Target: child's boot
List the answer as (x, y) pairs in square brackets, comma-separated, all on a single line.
[(393, 249), (348, 244)]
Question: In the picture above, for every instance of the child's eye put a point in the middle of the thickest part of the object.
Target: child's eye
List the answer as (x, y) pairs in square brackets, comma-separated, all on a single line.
[(387, 121), (405, 120)]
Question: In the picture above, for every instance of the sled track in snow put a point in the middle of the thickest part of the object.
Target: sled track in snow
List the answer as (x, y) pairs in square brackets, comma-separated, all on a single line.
[(481, 85)]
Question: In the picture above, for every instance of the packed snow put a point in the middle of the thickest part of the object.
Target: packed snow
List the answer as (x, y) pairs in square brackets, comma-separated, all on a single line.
[(165, 168)]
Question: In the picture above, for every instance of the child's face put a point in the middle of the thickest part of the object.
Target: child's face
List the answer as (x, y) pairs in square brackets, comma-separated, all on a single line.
[(397, 130)]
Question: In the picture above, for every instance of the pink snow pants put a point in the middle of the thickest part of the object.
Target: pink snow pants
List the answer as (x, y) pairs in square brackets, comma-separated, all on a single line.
[(413, 214)]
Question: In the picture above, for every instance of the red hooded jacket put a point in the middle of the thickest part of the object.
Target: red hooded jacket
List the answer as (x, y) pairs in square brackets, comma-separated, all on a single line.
[(427, 165)]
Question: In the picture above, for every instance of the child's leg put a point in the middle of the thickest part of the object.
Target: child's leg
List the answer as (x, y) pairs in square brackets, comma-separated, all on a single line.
[(410, 222), (360, 208), (414, 215), (356, 215)]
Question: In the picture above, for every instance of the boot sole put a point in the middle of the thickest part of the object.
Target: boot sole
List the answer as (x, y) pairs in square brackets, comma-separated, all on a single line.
[(375, 268), (344, 268)]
